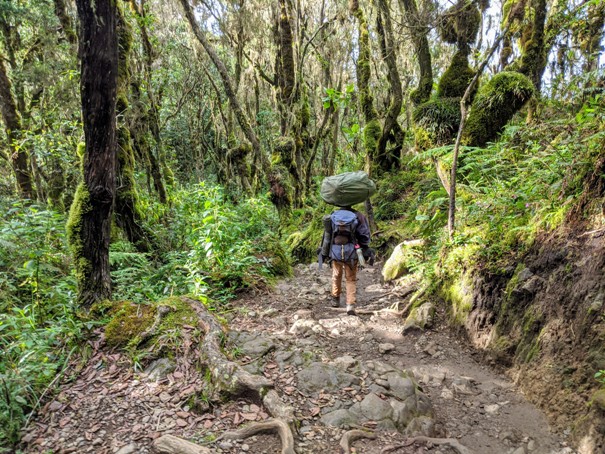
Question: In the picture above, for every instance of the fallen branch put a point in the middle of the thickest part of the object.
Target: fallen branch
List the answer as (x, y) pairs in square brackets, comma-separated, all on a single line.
[(352, 435), (271, 425), (169, 444), (451, 442)]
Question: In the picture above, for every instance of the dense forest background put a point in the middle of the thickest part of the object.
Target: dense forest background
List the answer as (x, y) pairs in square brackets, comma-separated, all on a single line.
[(228, 114)]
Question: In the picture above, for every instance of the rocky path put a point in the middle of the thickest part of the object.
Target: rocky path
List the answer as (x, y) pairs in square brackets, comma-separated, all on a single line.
[(338, 373)]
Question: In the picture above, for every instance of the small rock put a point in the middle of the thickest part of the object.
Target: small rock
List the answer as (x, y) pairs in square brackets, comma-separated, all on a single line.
[(520, 450), (531, 446), (492, 409), (335, 332), (447, 394), (245, 447), (385, 348), (159, 369), (252, 314)]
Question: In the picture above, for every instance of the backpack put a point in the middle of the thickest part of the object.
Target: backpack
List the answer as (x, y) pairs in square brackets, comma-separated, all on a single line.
[(344, 224)]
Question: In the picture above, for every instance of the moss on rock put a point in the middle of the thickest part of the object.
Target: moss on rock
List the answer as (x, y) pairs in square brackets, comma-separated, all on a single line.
[(496, 103), (130, 320), (456, 78)]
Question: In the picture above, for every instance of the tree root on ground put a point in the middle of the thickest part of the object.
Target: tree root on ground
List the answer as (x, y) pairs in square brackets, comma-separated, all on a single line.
[(271, 425), (451, 442), (230, 377), (151, 331), (352, 435), (169, 444)]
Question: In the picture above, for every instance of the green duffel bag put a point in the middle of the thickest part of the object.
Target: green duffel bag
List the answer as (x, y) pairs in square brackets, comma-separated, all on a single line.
[(347, 189)]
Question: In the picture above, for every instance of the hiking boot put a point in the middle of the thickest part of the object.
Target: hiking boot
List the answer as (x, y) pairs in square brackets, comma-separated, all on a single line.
[(351, 309), (335, 301)]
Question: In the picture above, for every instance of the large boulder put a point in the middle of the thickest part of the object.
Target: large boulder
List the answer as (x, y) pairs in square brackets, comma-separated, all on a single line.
[(398, 263)]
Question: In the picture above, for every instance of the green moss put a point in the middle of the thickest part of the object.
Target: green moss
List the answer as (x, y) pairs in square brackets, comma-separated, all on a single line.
[(460, 296), (494, 106), (371, 135), (460, 24), (79, 207), (598, 399), (129, 321), (436, 122), (456, 78)]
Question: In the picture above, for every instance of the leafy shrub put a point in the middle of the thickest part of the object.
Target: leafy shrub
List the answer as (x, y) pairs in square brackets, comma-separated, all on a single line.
[(38, 322)]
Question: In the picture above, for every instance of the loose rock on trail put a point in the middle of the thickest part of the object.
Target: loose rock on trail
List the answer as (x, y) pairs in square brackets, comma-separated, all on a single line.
[(355, 384)]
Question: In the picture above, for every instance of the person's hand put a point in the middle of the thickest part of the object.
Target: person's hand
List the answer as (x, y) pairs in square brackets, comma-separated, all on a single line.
[(369, 255)]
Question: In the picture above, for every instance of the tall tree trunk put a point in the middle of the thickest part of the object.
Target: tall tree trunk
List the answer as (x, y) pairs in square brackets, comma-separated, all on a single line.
[(65, 21), (88, 227), (152, 115), (591, 46), (12, 122), (240, 115), (391, 131), (127, 211), (372, 130), (534, 58), (419, 32)]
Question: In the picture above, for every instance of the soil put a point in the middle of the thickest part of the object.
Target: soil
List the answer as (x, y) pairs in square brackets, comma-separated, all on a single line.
[(108, 406)]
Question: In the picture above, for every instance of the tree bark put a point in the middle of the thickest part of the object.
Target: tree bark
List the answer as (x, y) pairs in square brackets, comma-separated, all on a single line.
[(391, 131), (12, 122), (90, 216), (419, 32), (152, 115), (65, 21)]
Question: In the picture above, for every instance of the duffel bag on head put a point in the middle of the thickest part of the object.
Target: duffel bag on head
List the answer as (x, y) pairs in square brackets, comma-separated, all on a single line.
[(347, 189)]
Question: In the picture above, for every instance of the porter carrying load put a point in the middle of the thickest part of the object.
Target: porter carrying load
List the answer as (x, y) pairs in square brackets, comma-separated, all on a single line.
[(347, 189)]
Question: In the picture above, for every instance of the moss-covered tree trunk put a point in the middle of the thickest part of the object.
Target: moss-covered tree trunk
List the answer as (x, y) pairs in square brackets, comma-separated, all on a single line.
[(65, 21), (372, 130), (391, 131), (127, 212), (151, 116), (421, 49), (534, 57), (12, 123), (89, 221)]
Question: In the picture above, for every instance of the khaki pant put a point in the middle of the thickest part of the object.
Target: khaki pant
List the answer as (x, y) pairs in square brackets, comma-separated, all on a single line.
[(350, 273)]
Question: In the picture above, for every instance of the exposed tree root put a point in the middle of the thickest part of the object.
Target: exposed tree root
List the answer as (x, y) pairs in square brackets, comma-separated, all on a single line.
[(352, 435), (229, 377), (169, 444), (271, 425), (151, 331), (451, 442)]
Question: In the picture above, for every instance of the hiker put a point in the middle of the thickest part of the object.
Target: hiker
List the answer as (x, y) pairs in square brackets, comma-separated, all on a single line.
[(345, 231)]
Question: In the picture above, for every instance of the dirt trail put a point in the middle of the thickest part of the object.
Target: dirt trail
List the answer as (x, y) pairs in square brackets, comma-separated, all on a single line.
[(338, 372)]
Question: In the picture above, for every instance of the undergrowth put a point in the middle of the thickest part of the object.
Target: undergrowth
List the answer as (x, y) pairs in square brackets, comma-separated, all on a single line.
[(211, 248)]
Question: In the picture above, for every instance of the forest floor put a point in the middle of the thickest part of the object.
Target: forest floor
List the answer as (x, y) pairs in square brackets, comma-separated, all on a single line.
[(339, 372)]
